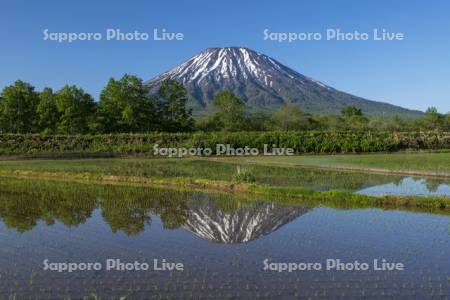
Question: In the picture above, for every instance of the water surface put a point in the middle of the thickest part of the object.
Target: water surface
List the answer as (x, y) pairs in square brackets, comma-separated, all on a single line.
[(222, 240), (410, 186)]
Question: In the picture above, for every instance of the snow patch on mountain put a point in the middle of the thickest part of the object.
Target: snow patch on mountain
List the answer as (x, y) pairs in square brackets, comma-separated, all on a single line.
[(219, 64), (240, 226), (262, 82)]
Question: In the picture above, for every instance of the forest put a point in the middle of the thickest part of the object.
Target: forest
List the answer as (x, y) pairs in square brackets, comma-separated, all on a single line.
[(125, 106)]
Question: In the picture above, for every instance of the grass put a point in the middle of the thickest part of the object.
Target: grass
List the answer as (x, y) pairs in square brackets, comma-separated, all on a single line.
[(268, 176), (292, 195), (199, 169), (417, 163), (126, 208)]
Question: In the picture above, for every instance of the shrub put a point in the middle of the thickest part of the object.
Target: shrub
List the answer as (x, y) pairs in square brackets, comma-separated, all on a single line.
[(300, 141), (243, 175)]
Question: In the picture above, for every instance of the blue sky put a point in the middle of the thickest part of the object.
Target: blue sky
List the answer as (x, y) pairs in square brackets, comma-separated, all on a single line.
[(413, 73)]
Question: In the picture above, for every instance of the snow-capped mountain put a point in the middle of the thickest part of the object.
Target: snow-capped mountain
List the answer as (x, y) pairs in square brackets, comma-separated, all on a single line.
[(242, 225), (262, 82)]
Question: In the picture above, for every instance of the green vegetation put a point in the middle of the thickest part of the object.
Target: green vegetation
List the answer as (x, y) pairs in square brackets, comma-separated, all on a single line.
[(290, 117), (174, 115), (230, 115), (128, 121), (126, 106), (75, 110), (198, 169), (26, 202), (127, 208), (300, 141), (218, 175), (243, 174), (17, 107), (433, 163)]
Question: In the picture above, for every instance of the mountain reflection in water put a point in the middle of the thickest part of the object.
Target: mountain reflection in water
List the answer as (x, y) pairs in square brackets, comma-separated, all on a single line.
[(242, 225), (216, 218), (221, 239)]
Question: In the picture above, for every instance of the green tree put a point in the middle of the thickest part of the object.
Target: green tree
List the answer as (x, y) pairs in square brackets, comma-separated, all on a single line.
[(447, 122), (47, 112), (354, 119), (290, 117), (208, 123), (126, 107), (230, 113), (18, 108), (433, 120), (351, 111), (326, 122), (259, 121), (173, 99), (395, 123), (76, 109)]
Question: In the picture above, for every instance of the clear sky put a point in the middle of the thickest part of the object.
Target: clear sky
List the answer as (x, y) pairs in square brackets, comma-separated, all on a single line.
[(413, 73)]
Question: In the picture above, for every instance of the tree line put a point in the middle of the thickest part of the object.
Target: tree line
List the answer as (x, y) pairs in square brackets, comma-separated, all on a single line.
[(125, 105), (290, 117)]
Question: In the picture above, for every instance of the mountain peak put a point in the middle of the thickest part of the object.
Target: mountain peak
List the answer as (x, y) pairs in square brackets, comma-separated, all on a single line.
[(220, 64), (262, 82), (236, 66), (229, 48)]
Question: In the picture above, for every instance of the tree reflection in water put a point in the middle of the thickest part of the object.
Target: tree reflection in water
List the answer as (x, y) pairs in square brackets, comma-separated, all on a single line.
[(221, 218)]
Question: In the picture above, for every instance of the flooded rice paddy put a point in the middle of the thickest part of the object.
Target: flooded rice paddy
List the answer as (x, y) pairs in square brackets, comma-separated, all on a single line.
[(230, 247), (409, 186)]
